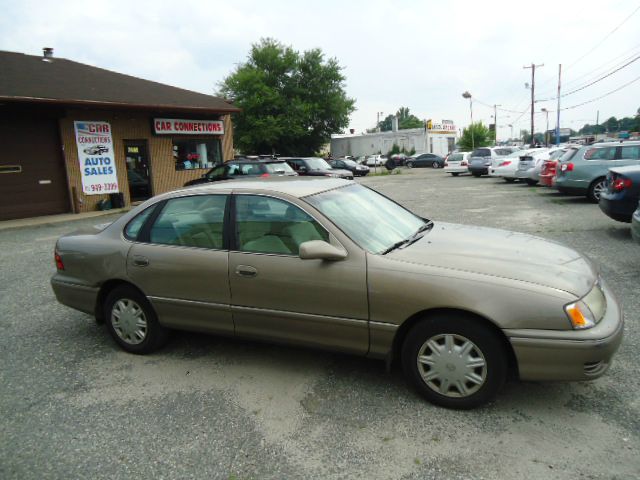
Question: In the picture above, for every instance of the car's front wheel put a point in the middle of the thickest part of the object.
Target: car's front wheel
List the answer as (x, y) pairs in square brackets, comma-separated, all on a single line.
[(454, 362), (132, 321)]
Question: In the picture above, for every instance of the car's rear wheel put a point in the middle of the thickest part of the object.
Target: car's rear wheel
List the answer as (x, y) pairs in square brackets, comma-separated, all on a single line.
[(435, 165), (409, 164), (132, 321), (455, 174), (531, 182), (595, 189), (454, 362)]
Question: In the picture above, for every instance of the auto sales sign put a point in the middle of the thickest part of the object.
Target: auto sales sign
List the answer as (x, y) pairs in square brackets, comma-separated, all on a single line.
[(97, 161)]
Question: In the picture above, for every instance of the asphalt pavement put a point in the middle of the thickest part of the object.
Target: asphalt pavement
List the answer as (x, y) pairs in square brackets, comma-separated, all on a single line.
[(73, 405)]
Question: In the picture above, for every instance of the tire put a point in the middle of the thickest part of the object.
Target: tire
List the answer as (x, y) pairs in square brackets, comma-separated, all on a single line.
[(509, 180), (435, 165), (455, 174), (476, 174), (409, 164), (595, 189), (531, 183), (124, 305), (470, 378)]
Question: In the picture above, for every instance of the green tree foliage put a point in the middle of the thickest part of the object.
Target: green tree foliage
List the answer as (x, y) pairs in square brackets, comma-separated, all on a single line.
[(481, 137), (613, 125), (405, 120), (291, 102)]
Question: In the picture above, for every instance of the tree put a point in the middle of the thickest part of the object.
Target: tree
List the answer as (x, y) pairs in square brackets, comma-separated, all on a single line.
[(405, 120), (481, 137), (290, 102)]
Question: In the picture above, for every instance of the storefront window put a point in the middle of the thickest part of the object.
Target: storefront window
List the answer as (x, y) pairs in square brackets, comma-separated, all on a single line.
[(192, 154)]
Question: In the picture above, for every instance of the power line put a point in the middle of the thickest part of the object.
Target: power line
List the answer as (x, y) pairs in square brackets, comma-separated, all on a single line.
[(605, 37), (603, 96), (595, 81)]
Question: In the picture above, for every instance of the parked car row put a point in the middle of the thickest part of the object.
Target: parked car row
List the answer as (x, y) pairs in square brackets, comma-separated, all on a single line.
[(607, 173)]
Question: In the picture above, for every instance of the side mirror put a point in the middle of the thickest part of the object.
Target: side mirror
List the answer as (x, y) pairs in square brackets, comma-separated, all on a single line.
[(320, 250)]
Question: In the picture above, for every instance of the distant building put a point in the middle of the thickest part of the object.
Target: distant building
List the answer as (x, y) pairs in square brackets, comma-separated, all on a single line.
[(436, 137)]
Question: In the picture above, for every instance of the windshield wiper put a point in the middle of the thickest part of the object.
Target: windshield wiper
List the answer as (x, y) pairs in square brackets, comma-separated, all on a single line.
[(413, 238)]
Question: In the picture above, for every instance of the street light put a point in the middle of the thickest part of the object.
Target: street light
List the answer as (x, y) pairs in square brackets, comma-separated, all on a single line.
[(468, 95), (546, 132)]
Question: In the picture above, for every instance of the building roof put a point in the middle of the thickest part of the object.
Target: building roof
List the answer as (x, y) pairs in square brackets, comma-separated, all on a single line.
[(31, 78)]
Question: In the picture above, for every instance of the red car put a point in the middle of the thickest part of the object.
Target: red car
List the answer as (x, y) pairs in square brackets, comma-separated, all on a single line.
[(549, 167)]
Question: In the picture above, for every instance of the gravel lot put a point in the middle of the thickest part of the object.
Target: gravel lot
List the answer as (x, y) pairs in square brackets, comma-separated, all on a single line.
[(74, 406)]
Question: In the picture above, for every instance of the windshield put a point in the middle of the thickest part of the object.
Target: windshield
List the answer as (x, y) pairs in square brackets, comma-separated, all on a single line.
[(351, 163), (278, 168), (317, 164), (369, 219)]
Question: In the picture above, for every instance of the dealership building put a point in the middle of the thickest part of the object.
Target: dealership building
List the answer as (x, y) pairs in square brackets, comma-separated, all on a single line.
[(74, 136), (435, 137)]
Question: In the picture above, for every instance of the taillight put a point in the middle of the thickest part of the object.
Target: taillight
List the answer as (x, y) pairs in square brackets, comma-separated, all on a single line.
[(264, 175), (446, 164), (620, 184), (463, 163), (505, 163), (567, 167), (58, 259)]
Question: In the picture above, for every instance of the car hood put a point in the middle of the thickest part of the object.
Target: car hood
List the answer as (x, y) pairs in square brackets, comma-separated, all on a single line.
[(501, 253)]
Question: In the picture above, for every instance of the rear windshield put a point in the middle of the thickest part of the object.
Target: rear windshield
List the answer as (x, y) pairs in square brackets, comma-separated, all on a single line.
[(278, 168), (456, 157), (568, 155), (481, 152), (557, 154)]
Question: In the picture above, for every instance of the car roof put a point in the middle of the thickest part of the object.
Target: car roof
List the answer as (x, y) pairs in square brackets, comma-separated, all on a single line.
[(294, 186)]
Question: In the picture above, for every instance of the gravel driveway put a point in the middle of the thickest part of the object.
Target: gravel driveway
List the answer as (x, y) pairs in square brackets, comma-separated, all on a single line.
[(74, 406)]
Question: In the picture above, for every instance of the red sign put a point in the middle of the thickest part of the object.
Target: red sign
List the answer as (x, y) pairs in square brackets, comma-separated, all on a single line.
[(177, 126)]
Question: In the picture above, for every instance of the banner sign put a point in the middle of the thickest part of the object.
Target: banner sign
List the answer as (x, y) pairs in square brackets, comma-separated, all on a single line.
[(445, 126), (176, 126), (97, 161)]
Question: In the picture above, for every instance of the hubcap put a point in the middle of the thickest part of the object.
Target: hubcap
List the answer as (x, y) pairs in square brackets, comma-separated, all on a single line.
[(452, 365), (129, 321), (598, 189)]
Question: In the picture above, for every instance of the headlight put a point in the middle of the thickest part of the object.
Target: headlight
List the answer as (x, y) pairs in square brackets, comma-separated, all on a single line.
[(588, 311)]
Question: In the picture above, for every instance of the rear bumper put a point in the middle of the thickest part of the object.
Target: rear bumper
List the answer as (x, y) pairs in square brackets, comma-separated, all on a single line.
[(80, 297), (620, 210), (548, 180), (479, 170), (569, 355), (456, 169), (524, 173)]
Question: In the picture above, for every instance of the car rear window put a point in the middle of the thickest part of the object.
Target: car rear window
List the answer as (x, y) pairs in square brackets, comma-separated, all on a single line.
[(456, 157), (568, 155), (481, 152), (278, 168)]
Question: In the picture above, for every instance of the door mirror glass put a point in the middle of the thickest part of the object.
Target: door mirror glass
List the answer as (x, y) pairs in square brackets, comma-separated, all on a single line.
[(320, 250)]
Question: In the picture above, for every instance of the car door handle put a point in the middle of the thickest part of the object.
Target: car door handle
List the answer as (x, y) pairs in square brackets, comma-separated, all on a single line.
[(246, 271), (139, 261)]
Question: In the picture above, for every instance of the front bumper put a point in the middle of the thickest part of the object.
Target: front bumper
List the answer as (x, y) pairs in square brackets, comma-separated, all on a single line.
[(569, 354)]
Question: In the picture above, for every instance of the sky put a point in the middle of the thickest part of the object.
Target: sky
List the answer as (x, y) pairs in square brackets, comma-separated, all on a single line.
[(418, 54)]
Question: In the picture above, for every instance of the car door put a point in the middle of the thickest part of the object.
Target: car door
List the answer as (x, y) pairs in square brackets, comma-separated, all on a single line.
[(179, 259), (278, 296)]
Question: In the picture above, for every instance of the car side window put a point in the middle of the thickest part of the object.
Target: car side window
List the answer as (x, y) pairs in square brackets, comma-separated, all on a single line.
[(607, 153), (196, 221), (217, 172), (270, 225), (630, 152)]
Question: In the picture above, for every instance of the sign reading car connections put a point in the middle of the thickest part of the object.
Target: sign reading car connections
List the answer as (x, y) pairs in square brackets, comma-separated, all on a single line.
[(176, 126), (95, 153), (445, 126)]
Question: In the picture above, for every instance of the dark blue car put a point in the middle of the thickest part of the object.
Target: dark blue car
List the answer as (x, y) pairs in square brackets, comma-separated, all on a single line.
[(621, 194)]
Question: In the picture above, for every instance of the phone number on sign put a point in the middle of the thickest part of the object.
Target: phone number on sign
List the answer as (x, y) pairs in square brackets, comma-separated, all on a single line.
[(102, 187)]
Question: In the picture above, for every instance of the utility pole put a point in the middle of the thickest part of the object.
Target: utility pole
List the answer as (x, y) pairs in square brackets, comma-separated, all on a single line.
[(595, 134), (495, 123), (533, 67), (558, 109)]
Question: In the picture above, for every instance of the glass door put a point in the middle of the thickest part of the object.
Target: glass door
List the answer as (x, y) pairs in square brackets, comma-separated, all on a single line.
[(138, 171)]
